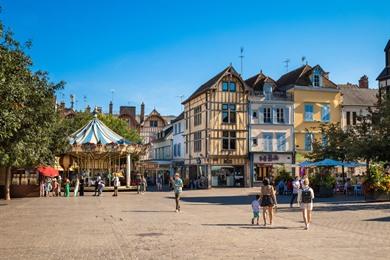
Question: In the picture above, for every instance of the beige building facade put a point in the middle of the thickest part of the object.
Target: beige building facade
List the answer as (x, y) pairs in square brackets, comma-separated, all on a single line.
[(216, 133)]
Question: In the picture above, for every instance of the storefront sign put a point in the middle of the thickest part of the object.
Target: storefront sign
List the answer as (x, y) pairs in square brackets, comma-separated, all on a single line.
[(227, 161), (272, 158)]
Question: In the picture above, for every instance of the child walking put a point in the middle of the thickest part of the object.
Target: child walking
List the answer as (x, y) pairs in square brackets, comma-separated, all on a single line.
[(256, 210)]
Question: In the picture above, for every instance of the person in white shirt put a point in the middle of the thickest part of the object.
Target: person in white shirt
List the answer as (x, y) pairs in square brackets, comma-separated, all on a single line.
[(296, 185), (116, 185), (305, 199), (256, 210)]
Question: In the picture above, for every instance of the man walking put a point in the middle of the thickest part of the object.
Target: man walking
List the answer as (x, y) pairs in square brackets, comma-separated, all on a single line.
[(177, 188), (296, 185)]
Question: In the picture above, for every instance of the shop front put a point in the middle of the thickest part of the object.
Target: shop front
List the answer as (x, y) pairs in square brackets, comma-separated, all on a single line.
[(227, 176), (266, 165)]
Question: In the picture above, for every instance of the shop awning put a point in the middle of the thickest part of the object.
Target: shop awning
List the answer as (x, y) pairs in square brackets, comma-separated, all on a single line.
[(47, 171)]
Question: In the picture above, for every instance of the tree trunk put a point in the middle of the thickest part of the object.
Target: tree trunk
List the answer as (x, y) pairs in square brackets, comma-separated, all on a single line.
[(343, 173), (368, 167), (7, 186)]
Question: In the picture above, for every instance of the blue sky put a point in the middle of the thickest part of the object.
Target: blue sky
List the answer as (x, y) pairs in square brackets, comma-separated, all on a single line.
[(156, 51)]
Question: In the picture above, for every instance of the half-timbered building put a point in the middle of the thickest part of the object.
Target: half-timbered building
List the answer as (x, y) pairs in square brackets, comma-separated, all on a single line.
[(216, 131)]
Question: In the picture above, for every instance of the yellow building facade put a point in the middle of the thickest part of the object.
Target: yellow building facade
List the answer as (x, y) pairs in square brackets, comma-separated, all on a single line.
[(316, 102)]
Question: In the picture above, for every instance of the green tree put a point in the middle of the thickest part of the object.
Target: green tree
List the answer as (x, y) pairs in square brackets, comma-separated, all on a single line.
[(27, 110)]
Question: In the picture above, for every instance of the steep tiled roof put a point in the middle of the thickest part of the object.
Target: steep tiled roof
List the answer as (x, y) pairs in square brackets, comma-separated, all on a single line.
[(385, 74), (257, 81), (178, 118), (212, 82), (294, 77), (301, 77), (352, 95)]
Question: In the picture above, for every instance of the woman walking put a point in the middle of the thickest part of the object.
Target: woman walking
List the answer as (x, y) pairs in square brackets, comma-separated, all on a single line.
[(76, 187), (116, 185), (305, 198), (268, 200), (67, 187)]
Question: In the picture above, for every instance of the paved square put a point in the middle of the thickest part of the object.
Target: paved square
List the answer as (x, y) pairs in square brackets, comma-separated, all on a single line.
[(214, 224)]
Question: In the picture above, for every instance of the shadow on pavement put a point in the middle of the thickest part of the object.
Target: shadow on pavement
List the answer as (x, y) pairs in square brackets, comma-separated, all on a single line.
[(340, 207), (149, 211), (250, 226), (384, 219), (221, 200)]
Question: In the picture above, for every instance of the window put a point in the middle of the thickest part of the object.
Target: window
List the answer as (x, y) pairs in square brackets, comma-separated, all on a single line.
[(354, 118), (197, 141), (174, 150), (316, 80), (153, 123), (186, 143), (267, 142), (179, 149), (229, 86), (267, 92), (229, 113), (225, 86), (348, 118), (175, 129), (254, 115), (267, 115), (281, 142), (179, 127), (254, 141), (228, 140), (280, 115), (308, 141), (197, 115), (308, 112), (325, 115), (324, 140)]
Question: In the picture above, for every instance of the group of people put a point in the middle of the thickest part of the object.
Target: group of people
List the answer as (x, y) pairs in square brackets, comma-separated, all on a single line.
[(266, 200), (199, 183), (51, 187)]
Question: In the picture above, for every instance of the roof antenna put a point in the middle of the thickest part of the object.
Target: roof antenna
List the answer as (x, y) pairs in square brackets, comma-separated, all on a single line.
[(241, 58), (287, 61), (303, 59), (181, 98), (112, 94)]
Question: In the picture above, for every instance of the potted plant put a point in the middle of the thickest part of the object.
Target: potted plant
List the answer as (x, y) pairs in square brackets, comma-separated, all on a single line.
[(376, 186), (323, 184)]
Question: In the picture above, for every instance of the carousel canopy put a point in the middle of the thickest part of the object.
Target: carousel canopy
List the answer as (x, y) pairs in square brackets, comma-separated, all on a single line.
[(96, 132)]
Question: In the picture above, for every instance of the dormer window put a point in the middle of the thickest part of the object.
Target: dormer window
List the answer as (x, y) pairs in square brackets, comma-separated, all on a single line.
[(317, 78), (267, 92)]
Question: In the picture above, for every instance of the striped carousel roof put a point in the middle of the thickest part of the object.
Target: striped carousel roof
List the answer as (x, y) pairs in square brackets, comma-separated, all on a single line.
[(96, 132)]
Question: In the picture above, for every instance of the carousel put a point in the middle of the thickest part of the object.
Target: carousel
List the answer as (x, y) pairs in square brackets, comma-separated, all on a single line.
[(96, 150)]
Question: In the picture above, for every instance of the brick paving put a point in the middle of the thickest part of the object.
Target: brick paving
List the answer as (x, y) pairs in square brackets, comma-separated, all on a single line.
[(214, 224)]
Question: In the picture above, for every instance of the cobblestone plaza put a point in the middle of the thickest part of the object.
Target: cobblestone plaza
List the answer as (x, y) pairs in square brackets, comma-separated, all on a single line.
[(213, 224)]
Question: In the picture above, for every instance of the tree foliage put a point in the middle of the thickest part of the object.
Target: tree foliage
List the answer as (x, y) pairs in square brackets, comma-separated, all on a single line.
[(27, 110)]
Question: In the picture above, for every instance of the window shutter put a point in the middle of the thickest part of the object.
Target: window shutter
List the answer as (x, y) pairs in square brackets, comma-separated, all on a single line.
[(273, 116), (286, 115), (261, 115)]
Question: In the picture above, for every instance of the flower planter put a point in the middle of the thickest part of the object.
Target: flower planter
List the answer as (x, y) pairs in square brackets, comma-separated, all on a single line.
[(377, 196), (325, 192)]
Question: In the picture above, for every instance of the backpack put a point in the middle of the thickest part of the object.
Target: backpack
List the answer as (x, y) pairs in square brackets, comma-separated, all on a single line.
[(306, 196)]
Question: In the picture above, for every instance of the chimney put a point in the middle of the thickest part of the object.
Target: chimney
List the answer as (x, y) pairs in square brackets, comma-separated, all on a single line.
[(363, 82), (142, 115), (110, 108)]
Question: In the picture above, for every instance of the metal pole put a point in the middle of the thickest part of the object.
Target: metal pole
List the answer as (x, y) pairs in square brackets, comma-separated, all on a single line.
[(128, 170)]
